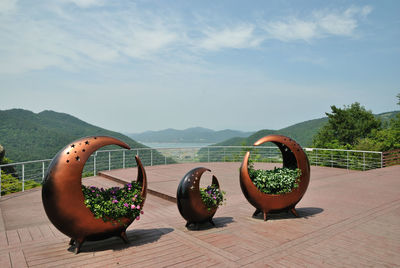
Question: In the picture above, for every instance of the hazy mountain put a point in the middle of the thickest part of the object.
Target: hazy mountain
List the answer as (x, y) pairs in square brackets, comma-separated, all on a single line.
[(195, 134), (29, 136)]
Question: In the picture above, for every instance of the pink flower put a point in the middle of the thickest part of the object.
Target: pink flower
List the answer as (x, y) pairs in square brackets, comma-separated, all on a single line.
[(138, 218), (138, 207), (132, 206), (126, 205), (135, 195), (115, 201)]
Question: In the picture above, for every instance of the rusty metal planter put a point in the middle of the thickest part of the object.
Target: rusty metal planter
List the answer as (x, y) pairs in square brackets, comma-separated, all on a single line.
[(63, 199), (293, 157), (188, 197)]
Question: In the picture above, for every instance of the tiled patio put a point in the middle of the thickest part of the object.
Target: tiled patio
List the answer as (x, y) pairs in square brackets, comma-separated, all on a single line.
[(347, 219)]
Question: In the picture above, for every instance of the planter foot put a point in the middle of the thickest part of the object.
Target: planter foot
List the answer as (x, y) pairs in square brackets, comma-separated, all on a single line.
[(187, 224), (124, 237), (71, 242), (294, 212), (78, 245), (265, 216), (211, 221), (256, 212)]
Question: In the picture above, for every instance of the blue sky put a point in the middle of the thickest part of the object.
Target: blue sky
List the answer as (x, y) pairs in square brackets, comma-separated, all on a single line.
[(132, 66)]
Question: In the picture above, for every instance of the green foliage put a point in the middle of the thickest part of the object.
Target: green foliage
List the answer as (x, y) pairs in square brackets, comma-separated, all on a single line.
[(10, 184), (211, 196), (276, 181), (48, 132), (346, 127), (382, 139), (114, 203)]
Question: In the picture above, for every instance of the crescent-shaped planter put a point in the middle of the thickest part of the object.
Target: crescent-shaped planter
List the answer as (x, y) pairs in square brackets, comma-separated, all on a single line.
[(63, 199), (188, 197), (293, 157)]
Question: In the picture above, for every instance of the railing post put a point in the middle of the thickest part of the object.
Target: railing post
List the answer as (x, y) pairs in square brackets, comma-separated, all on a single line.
[(224, 154), (208, 154), (151, 157), (347, 160), (331, 159), (363, 161), (94, 164), (381, 159), (316, 157), (165, 159), (123, 159), (0, 181), (42, 170), (23, 177), (109, 160)]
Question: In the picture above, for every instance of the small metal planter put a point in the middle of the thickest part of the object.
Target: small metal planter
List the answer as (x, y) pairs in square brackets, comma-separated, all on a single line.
[(189, 201), (293, 157), (63, 199)]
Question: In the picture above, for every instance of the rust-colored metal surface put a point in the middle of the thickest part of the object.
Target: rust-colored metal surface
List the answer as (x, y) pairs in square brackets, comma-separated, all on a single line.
[(188, 197), (63, 199), (293, 157)]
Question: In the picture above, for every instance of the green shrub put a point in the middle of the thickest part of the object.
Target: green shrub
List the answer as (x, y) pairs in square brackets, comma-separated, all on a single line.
[(276, 181), (212, 196), (10, 184), (114, 203)]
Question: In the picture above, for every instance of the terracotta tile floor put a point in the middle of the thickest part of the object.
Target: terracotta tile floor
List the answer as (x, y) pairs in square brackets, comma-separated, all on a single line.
[(347, 219)]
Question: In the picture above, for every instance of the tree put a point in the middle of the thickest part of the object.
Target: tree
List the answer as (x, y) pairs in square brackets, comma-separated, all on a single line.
[(383, 139), (346, 127)]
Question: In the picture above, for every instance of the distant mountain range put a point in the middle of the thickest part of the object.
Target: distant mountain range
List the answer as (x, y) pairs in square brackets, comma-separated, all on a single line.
[(29, 136), (195, 134), (303, 132)]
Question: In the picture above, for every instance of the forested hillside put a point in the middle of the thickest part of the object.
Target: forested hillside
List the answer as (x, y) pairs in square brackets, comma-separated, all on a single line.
[(29, 136), (302, 132)]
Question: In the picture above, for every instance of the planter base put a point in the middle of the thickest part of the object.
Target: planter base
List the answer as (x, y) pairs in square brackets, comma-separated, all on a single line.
[(265, 213), (197, 224), (79, 242)]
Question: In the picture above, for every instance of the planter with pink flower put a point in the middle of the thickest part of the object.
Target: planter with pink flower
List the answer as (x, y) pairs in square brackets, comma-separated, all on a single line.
[(115, 202)]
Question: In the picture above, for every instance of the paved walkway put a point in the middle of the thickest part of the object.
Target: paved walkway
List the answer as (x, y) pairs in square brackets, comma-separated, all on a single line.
[(347, 219)]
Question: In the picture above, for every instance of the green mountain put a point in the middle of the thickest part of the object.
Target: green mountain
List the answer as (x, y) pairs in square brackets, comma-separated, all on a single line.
[(195, 134), (302, 132), (29, 136)]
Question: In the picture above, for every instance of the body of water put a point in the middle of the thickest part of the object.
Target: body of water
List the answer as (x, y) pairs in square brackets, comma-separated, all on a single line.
[(174, 144)]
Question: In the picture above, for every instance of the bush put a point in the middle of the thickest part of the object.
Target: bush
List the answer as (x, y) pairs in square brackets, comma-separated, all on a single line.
[(276, 181), (211, 196), (114, 203), (10, 184)]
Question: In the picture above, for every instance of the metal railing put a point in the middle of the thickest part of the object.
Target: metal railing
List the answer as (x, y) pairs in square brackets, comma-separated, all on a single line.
[(21, 176)]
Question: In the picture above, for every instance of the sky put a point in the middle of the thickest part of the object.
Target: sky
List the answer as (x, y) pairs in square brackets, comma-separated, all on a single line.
[(132, 66)]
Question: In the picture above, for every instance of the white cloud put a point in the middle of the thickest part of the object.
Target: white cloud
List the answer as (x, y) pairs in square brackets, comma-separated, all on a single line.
[(61, 35), (142, 43), (236, 37), (78, 40), (86, 3), (293, 29), (7, 6), (321, 24)]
